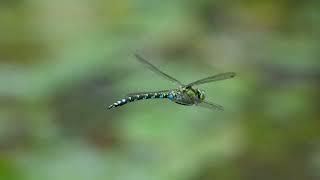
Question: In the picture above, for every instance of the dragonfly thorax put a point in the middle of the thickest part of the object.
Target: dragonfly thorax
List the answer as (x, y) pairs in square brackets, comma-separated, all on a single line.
[(190, 96)]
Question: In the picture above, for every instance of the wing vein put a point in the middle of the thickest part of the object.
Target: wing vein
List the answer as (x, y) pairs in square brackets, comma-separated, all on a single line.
[(211, 105), (213, 78), (158, 71)]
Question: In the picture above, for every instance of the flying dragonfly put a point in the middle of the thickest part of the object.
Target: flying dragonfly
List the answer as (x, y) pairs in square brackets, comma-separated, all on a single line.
[(185, 95)]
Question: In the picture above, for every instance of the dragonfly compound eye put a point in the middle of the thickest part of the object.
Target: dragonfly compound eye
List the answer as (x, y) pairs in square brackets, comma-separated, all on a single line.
[(201, 94)]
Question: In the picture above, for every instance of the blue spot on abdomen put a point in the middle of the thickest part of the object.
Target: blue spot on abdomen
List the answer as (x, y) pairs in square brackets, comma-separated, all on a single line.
[(170, 97)]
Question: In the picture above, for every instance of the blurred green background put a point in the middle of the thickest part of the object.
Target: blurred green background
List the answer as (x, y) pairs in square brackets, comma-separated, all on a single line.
[(63, 62)]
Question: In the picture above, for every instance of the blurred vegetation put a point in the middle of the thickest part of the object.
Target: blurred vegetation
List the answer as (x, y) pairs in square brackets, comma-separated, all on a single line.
[(63, 62)]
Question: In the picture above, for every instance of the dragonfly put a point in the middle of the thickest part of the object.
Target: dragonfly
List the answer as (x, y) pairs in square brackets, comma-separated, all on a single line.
[(186, 94)]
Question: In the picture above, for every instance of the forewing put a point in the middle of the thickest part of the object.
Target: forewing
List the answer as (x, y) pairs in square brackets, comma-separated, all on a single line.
[(158, 71), (211, 106), (213, 78)]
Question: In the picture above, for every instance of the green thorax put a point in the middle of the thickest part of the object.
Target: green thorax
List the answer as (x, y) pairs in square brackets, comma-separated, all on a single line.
[(191, 95), (191, 92)]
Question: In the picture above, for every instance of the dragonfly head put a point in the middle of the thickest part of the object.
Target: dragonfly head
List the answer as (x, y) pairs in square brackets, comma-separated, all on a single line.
[(201, 94)]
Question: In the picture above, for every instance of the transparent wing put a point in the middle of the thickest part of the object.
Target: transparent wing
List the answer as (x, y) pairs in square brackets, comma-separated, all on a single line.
[(158, 71), (211, 106), (148, 92), (213, 78)]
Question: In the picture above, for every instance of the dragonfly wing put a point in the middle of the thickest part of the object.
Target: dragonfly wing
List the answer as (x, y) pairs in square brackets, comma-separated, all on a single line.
[(158, 71), (211, 106), (213, 78)]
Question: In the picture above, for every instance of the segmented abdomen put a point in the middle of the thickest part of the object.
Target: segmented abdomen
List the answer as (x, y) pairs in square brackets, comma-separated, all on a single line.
[(152, 95)]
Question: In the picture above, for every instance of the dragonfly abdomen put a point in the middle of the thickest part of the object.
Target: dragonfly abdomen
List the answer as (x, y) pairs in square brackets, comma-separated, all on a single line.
[(143, 96)]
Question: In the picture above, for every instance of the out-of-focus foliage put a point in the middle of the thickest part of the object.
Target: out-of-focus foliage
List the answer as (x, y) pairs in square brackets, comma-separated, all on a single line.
[(63, 62)]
